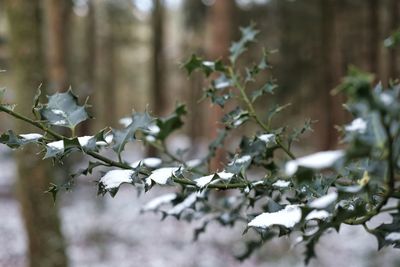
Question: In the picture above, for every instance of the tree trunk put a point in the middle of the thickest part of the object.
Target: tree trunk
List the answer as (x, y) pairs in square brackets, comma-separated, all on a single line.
[(394, 25), (46, 244), (158, 95), (58, 13), (331, 112), (105, 66), (220, 24), (374, 40)]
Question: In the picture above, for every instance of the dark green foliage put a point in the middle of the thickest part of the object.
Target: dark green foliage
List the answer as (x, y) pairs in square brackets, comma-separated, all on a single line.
[(308, 196)]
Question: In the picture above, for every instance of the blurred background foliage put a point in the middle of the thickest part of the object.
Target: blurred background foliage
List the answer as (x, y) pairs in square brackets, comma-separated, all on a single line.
[(127, 54)]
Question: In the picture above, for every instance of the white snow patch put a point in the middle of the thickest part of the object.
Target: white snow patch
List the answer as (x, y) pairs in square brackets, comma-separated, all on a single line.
[(225, 175), (317, 214), (241, 160), (319, 160), (189, 201), (324, 201), (386, 99), (57, 145), (393, 236), (150, 139), (358, 125), (125, 121), (161, 176), (60, 122), (31, 136), (203, 181), (148, 162), (59, 112), (108, 139), (266, 138), (153, 129), (208, 63), (158, 201), (115, 178), (281, 183), (238, 122), (287, 217)]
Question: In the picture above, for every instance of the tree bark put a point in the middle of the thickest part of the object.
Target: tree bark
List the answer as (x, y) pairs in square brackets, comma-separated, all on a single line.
[(394, 25), (58, 13), (105, 66), (158, 78), (45, 241), (331, 112), (220, 24)]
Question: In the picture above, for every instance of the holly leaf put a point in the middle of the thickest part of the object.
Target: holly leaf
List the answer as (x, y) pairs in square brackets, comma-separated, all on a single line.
[(140, 121), (63, 110), (267, 88), (171, 123), (237, 48)]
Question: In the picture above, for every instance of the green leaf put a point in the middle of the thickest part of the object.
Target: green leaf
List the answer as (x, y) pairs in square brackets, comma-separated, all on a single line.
[(36, 104), (267, 88), (235, 118), (63, 110), (237, 48), (140, 121), (207, 67), (53, 190), (171, 123)]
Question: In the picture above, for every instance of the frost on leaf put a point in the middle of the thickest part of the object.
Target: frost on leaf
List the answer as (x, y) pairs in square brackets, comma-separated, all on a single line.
[(281, 183), (205, 180), (358, 125), (148, 162), (162, 175), (31, 136), (267, 138), (155, 203), (113, 179), (63, 110), (317, 215), (324, 201), (187, 203), (288, 217), (320, 160)]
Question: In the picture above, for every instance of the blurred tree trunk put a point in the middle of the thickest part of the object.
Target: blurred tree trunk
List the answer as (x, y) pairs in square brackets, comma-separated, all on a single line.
[(374, 40), (46, 244), (158, 94), (220, 24), (105, 81), (394, 25), (195, 15), (58, 17), (331, 112), (90, 62)]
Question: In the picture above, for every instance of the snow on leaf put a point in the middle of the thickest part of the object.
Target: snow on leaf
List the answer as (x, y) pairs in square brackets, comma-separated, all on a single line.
[(203, 181), (393, 236), (114, 178), (155, 203), (317, 214), (162, 175), (281, 183), (386, 99), (153, 129), (225, 175), (267, 138), (148, 162), (125, 121), (358, 125), (59, 145), (324, 201), (187, 203), (288, 217), (319, 160), (31, 136), (62, 109)]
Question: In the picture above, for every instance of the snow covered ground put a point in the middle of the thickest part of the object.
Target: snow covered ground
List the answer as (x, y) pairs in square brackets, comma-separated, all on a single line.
[(102, 231)]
